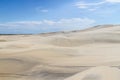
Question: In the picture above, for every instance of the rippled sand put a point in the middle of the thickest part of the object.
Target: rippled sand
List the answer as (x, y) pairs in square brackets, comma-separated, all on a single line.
[(62, 56)]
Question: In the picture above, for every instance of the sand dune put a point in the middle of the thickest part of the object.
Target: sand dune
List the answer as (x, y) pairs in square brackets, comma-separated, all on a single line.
[(74, 55), (98, 73)]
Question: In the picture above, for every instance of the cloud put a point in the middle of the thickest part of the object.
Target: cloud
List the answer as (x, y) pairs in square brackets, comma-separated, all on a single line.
[(40, 9), (47, 25), (74, 23), (20, 23), (113, 1), (95, 5), (87, 5), (44, 10)]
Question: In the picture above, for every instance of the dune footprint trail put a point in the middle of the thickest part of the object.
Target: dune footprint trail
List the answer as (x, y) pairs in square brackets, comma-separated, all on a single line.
[(92, 54)]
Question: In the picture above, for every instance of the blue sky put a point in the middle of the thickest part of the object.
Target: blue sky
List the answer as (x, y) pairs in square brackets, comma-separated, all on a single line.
[(37, 16)]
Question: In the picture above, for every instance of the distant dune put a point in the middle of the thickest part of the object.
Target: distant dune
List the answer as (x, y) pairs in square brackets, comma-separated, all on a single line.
[(91, 54)]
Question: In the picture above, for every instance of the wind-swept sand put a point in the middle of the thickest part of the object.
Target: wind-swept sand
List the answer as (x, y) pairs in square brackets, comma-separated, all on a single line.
[(98, 73), (62, 56)]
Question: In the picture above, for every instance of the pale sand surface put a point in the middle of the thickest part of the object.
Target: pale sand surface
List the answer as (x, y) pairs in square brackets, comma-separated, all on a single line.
[(98, 73), (92, 54)]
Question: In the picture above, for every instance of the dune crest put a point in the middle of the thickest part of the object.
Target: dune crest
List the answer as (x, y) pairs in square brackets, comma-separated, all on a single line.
[(97, 73), (61, 55)]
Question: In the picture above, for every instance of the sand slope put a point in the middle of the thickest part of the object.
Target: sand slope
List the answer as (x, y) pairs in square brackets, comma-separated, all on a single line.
[(59, 56), (98, 73)]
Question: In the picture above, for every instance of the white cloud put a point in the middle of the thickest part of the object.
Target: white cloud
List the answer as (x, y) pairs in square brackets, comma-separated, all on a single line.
[(87, 5), (74, 23), (40, 9), (47, 25), (44, 10), (94, 6), (48, 22), (20, 23), (113, 1)]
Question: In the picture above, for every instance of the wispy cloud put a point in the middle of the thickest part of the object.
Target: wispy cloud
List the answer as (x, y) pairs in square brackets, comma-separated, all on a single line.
[(87, 5), (40, 9), (95, 5), (20, 23), (46, 25), (113, 1), (44, 10)]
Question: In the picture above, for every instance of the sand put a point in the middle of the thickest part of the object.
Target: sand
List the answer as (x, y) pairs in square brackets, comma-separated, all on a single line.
[(98, 73), (91, 54)]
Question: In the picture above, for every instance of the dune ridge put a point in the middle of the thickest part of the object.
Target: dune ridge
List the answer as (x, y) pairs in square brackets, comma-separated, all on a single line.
[(63, 55), (98, 73)]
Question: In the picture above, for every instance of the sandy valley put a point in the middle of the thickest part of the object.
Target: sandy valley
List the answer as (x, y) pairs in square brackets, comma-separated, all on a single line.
[(91, 54)]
